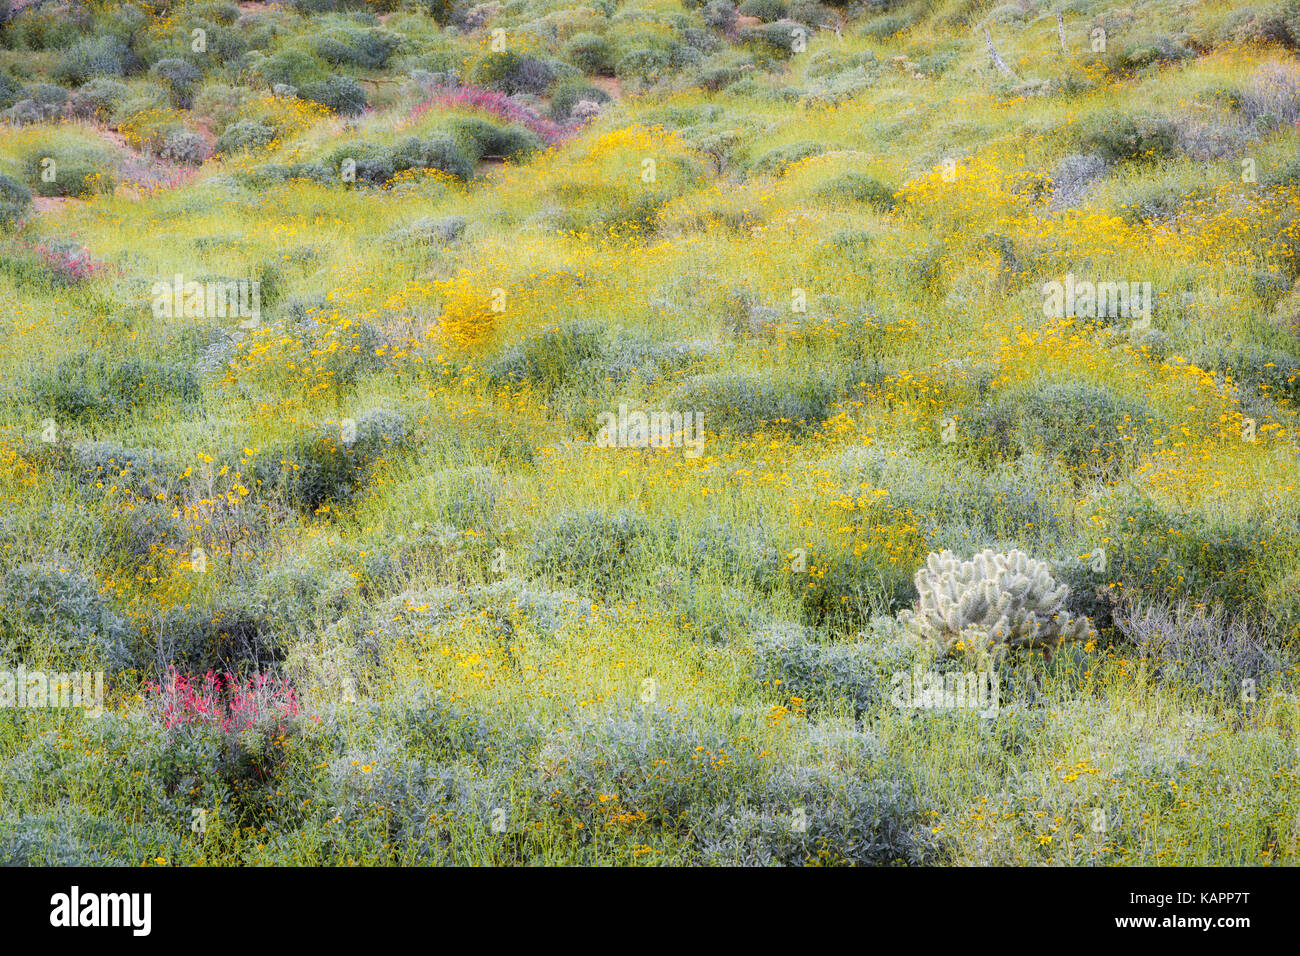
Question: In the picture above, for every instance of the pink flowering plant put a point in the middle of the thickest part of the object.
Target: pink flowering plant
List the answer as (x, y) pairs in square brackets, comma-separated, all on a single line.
[(499, 105), (226, 736), (68, 263)]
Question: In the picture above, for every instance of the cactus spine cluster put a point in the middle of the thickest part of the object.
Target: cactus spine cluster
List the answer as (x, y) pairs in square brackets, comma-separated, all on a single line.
[(994, 602)]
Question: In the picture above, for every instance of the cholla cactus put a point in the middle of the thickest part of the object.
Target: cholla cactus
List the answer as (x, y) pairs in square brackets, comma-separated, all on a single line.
[(997, 601)]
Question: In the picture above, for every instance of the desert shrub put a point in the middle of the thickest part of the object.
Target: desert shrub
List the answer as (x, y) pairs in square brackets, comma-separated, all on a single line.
[(10, 91), (1152, 203), (766, 10), (883, 28), (646, 65), (746, 404), (998, 602), (243, 135), (101, 56), (1089, 428), (341, 94), (847, 821), (466, 497), (568, 94), (144, 473), (664, 771), (437, 152), (842, 590), (97, 98), (773, 39), (86, 387), (134, 382), (49, 98), (775, 161), (512, 73), (1278, 23), (789, 660), (590, 52), (68, 838), (719, 14), (1204, 648), (182, 146), (1092, 431), (45, 605), (480, 138), (1158, 555), (229, 638), (1269, 373), (323, 467), (377, 165), (35, 29), (366, 49), (551, 359), (143, 535), (973, 507), (1272, 97), (858, 187), (221, 103), (1133, 137), (590, 549), (433, 231), (1134, 55), (15, 201), (180, 78), (76, 173), (290, 67)]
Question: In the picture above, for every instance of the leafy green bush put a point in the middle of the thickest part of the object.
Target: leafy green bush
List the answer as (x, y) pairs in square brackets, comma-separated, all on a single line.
[(102, 56), (792, 663), (590, 52), (243, 135), (1135, 137), (1170, 557), (748, 403), (366, 49), (341, 94), (323, 467), (66, 172), (512, 73), (858, 187), (97, 98), (15, 201), (480, 138), (590, 549), (775, 161), (45, 605)]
